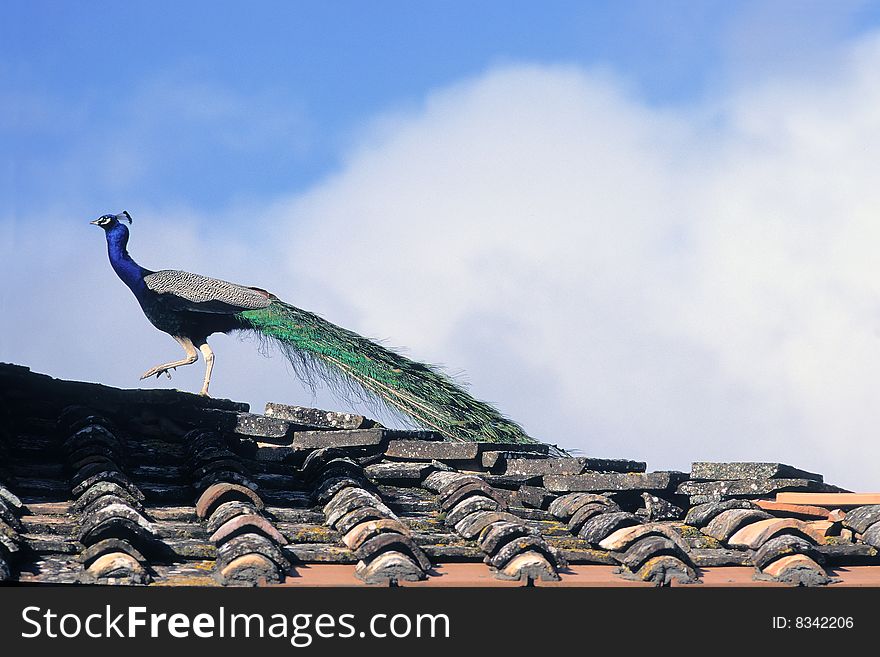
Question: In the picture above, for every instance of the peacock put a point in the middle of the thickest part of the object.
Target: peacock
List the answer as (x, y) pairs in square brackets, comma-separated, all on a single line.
[(190, 307)]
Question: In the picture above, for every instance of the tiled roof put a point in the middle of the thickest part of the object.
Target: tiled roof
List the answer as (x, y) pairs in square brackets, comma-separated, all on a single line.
[(101, 485)]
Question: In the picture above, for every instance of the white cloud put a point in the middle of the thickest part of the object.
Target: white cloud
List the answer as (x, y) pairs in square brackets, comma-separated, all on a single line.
[(683, 284), (672, 284)]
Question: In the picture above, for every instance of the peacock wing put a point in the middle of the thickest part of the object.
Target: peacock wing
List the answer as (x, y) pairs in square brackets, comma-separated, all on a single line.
[(183, 290)]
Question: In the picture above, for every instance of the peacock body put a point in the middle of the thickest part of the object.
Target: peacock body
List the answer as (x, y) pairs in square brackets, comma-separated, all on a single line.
[(191, 307)]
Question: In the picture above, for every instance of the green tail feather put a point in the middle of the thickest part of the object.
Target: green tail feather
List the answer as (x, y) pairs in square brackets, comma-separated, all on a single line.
[(428, 396)]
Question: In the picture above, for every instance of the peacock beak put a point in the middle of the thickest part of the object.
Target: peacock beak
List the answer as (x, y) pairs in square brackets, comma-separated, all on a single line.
[(94, 223)]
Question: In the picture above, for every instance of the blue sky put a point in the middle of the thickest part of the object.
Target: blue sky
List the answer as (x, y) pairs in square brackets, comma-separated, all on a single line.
[(198, 82), (643, 229)]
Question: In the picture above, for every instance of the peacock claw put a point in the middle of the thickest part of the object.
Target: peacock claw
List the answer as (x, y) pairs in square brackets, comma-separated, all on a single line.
[(157, 372)]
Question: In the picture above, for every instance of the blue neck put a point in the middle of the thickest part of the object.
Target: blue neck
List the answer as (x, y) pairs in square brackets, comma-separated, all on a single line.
[(131, 273)]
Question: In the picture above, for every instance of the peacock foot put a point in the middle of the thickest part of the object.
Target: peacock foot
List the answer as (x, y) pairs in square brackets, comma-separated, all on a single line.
[(159, 370)]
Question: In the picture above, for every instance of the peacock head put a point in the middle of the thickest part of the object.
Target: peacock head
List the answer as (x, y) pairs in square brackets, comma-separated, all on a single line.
[(110, 221)]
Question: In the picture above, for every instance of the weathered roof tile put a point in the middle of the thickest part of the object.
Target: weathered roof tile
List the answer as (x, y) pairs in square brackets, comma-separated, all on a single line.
[(143, 438), (392, 541), (316, 417), (454, 496), (218, 493), (726, 523), (342, 438), (356, 536), (398, 471), (389, 567), (702, 514), (755, 534), (427, 451), (748, 470), (473, 524), (118, 568), (250, 569), (250, 522), (598, 527), (664, 569), (860, 518), (750, 487), (566, 506), (600, 482), (586, 512), (650, 547), (571, 466), (469, 506), (798, 569), (872, 535), (783, 545), (622, 538), (263, 427)]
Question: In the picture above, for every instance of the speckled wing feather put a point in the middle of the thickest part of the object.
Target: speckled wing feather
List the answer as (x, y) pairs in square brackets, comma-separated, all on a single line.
[(186, 291)]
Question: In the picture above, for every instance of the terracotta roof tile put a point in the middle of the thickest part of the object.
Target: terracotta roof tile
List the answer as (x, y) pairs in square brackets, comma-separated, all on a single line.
[(131, 472), (748, 470), (726, 523), (861, 518), (598, 527), (832, 500), (804, 511), (797, 569), (754, 535), (872, 535), (614, 481)]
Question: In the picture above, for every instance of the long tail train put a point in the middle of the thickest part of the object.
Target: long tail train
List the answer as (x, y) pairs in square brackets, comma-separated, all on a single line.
[(420, 391)]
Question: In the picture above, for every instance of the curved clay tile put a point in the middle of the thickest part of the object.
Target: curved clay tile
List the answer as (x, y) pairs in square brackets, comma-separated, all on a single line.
[(754, 535), (436, 480), (529, 566), (108, 545), (218, 493), (499, 533), (650, 547), (702, 514), (389, 567), (248, 522), (227, 511), (872, 535), (785, 545), (118, 567), (114, 476), (860, 518), (586, 512), (358, 534), (727, 523), (622, 538), (380, 541), (598, 527), (102, 489), (520, 545), (664, 570), (249, 570), (471, 505), (238, 546), (392, 541), (468, 489), (797, 569), (351, 519)]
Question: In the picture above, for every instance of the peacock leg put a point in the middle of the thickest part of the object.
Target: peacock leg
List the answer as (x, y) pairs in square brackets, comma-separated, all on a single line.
[(191, 357), (209, 365)]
